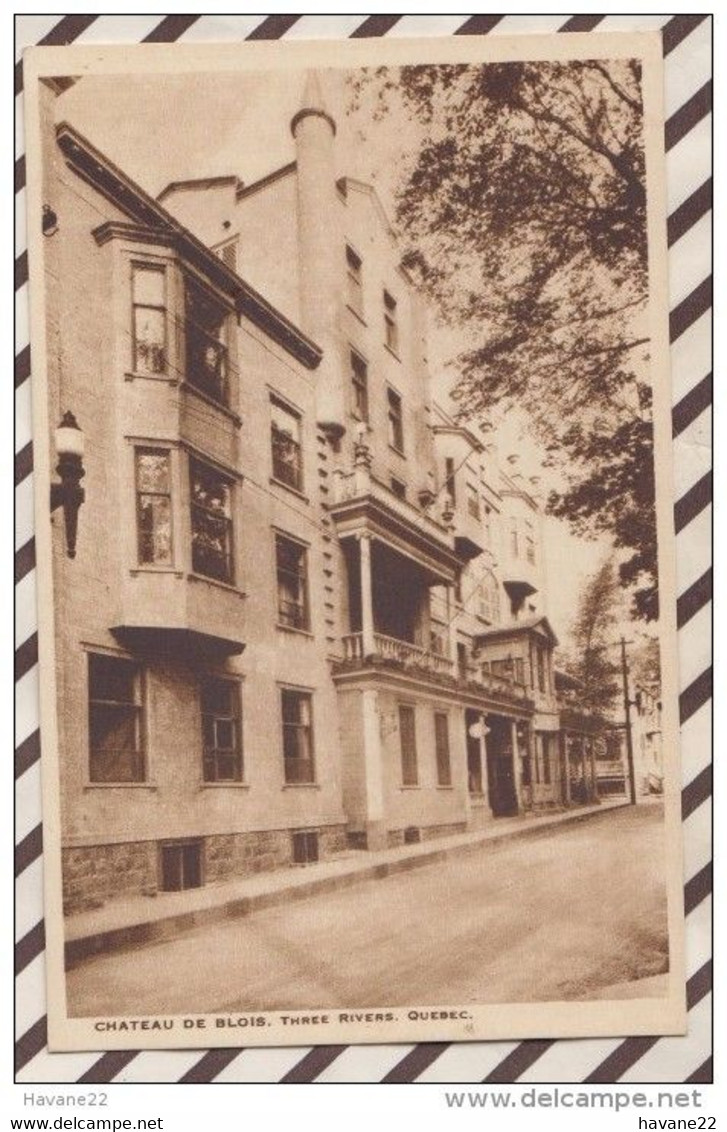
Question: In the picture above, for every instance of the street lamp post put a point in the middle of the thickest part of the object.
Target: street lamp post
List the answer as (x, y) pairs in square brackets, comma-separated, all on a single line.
[(69, 494)]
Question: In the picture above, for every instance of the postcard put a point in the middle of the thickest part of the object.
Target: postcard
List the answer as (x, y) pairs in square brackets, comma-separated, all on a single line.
[(354, 536)]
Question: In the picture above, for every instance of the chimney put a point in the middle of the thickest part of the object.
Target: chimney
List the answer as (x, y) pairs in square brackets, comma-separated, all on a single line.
[(320, 247)]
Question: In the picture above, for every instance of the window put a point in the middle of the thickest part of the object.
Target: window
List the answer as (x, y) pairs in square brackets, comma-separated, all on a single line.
[(450, 479), (473, 501), (488, 526), (489, 599), (396, 421), (211, 523), (115, 724), (228, 254), (354, 284), (514, 541), (180, 865), (291, 562), (153, 507), (360, 385), (407, 735), (529, 542), (391, 328), (286, 445), (398, 487), (205, 341), (149, 316), (462, 663), (540, 660), (441, 740), (297, 712), (221, 740), (511, 668)]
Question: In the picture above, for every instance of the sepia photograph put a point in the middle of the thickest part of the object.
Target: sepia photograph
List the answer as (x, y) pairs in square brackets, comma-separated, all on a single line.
[(356, 623)]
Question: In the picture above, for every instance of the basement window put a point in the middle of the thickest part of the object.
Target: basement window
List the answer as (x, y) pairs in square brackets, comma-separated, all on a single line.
[(305, 847), (181, 865)]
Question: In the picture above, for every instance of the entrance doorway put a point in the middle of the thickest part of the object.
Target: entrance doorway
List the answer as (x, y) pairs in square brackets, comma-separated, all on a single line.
[(501, 767)]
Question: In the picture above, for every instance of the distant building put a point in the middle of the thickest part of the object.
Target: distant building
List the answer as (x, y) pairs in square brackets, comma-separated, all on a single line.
[(308, 608), (648, 751)]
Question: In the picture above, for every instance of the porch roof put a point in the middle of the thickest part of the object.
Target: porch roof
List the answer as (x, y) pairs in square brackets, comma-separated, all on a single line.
[(401, 526), (530, 626)]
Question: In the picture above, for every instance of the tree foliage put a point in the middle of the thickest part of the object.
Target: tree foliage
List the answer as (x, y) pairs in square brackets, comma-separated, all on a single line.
[(524, 215), (592, 632)]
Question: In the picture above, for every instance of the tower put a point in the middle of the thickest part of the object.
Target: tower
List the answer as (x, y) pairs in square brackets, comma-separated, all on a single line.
[(320, 254)]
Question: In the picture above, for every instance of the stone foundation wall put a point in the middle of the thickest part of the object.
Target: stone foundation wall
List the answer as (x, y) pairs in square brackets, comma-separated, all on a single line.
[(332, 839), (231, 855), (95, 874), (444, 830), (395, 837)]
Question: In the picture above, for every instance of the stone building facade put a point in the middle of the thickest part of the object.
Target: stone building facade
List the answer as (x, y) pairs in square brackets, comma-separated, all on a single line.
[(307, 612)]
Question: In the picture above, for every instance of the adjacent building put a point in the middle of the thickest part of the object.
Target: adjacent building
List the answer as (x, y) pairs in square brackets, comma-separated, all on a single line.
[(308, 609)]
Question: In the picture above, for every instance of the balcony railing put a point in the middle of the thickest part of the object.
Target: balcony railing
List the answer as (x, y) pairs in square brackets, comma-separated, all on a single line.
[(495, 683), (408, 655), (403, 652)]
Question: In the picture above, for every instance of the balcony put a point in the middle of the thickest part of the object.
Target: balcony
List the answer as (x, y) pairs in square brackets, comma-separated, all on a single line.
[(363, 504), (406, 656), (180, 615), (402, 653)]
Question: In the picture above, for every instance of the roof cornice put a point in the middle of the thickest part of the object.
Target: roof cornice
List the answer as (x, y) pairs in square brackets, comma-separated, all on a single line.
[(106, 178)]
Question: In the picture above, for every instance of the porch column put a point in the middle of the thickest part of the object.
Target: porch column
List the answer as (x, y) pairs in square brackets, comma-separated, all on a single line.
[(516, 764), (566, 767), (534, 763), (373, 777), (483, 761), (367, 608), (452, 628)]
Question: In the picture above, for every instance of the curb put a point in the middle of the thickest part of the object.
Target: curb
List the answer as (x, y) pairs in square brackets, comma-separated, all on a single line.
[(168, 927)]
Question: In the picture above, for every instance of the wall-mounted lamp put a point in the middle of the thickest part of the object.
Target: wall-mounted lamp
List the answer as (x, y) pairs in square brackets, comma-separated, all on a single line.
[(69, 494), (50, 221)]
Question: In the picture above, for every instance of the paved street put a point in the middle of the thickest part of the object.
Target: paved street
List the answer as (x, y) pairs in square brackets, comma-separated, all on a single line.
[(562, 914)]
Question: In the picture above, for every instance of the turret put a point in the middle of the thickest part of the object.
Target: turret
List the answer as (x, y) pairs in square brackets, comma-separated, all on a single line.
[(320, 249)]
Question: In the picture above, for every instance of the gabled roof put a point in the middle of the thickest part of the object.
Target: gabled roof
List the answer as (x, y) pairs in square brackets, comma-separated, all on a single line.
[(370, 190), (111, 182), (200, 183), (263, 182), (537, 624)]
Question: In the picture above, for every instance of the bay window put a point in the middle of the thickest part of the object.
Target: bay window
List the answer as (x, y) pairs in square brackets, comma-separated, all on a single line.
[(211, 522)]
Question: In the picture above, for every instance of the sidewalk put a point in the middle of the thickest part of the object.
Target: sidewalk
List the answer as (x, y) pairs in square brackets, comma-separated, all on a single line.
[(146, 919)]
